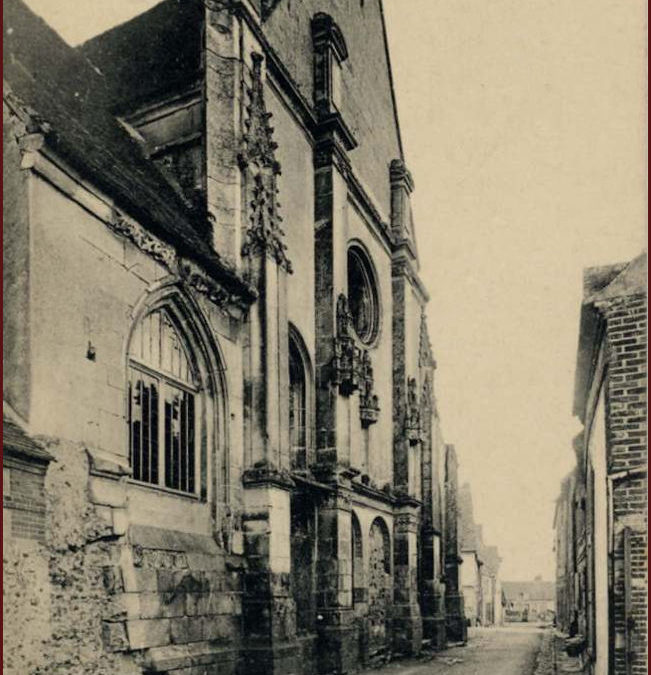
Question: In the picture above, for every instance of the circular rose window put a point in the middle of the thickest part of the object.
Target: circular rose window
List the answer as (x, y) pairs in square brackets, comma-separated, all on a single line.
[(362, 295)]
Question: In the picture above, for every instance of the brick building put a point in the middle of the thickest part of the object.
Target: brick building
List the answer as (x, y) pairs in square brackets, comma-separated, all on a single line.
[(217, 466), (601, 517)]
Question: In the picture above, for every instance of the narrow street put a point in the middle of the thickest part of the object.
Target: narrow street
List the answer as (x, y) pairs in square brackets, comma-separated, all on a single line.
[(507, 650)]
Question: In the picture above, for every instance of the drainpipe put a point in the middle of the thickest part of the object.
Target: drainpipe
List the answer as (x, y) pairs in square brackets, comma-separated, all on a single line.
[(611, 479)]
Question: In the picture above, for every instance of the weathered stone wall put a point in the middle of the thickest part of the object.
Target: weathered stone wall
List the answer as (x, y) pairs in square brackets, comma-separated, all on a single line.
[(16, 268), (296, 196), (110, 601), (137, 578), (377, 437), (25, 587), (454, 609), (366, 92)]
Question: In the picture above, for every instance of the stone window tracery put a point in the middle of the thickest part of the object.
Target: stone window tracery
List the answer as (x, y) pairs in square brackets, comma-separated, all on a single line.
[(362, 296), (297, 407), (300, 417), (164, 405)]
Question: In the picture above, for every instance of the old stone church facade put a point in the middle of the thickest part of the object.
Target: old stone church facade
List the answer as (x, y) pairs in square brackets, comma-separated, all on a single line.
[(222, 451)]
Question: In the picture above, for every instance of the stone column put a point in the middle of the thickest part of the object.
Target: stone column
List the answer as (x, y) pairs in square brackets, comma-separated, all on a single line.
[(407, 624), (336, 628), (412, 467), (223, 99), (432, 590), (335, 382), (454, 611), (269, 612)]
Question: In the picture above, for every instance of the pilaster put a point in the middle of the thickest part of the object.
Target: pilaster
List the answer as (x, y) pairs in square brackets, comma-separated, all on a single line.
[(223, 95), (269, 612), (454, 610), (336, 626), (407, 624), (338, 359)]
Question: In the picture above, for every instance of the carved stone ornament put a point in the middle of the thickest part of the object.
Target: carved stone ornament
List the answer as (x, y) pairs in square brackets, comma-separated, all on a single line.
[(427, 398), (258, 163), (351, 367), (146, 242), (346, 367), (425, 355), (194, 277), (369, 408), (412, 413)]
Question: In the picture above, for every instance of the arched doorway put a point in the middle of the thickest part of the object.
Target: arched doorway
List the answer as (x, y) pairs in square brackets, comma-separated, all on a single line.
[(379, 587)]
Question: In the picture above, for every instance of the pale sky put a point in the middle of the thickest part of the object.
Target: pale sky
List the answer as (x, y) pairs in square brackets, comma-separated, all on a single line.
[(524, 125)]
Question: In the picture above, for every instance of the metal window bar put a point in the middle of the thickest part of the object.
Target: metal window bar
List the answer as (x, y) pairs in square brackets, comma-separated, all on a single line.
[(149, 400), (162, 385)]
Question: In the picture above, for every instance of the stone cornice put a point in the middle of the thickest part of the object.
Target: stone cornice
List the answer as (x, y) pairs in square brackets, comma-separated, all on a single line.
[(326, 34), (265, 474), (126, 227), (373, 493), (333, 123), (40, 159), (194, 277), (192, 274)]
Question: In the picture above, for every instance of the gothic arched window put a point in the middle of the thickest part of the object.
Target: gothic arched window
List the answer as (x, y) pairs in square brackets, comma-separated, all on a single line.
[(297, 408), (300, 406), (362, 295), (165, 404)]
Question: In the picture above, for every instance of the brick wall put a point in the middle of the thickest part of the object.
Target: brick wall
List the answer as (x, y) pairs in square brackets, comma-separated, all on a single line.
[(24, 500), (626, 336)]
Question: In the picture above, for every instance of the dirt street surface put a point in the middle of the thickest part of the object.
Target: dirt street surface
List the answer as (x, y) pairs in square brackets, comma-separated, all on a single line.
[(517, 650)]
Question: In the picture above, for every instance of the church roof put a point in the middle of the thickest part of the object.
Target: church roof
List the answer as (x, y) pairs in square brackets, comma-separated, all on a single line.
[(69, 100), (156, 52)]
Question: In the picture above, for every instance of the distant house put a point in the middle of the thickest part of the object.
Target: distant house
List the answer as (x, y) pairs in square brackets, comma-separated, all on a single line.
[(479, 572), (492, 586), (529, 600)]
